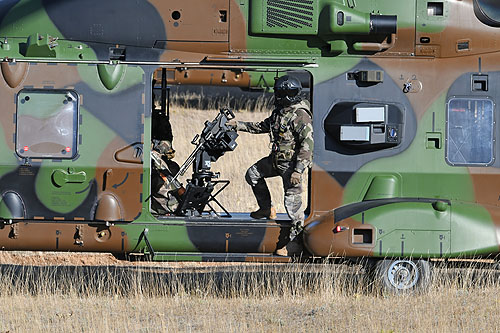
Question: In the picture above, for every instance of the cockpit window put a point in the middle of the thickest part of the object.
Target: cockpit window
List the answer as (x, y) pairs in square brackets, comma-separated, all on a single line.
[(488, 12)]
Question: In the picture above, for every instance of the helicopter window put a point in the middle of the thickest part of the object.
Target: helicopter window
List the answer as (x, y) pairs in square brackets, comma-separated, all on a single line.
[(488, 12), (470, 131), (46, 124), (359, 127), (435, 9)]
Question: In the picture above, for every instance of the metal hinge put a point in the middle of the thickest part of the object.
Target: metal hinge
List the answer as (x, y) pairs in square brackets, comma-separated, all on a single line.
[(79, 235), (14, 231)]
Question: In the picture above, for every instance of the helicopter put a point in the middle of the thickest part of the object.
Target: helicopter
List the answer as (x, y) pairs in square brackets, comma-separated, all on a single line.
[(403, 98)]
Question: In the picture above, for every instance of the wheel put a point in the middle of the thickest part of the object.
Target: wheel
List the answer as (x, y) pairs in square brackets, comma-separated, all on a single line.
[(402, 275)]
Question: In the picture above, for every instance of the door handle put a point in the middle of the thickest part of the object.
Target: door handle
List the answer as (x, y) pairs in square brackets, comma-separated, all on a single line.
[(61, 177)]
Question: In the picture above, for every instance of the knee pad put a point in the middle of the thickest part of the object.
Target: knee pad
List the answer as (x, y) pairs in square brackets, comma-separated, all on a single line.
[(252, 176)]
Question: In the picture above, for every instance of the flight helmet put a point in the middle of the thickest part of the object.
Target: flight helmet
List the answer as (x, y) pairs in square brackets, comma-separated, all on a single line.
[(286, 91)]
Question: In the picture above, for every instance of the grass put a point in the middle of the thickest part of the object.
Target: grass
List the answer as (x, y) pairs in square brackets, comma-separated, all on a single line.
[(219, 97), (240, 297)]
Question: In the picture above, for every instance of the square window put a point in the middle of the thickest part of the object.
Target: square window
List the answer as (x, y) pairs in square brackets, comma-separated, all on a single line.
[(470, 131), (47, 123), (434, 8)]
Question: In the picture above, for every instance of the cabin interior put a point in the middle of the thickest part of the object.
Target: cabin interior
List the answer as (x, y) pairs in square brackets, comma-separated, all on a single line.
[(205, 165)]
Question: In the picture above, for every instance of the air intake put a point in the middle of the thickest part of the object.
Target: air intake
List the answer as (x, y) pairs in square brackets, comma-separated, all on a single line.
[(298, 17)]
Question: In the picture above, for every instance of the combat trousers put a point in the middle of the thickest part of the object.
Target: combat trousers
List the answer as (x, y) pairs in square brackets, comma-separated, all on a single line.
[(266, 168), (164, 202)]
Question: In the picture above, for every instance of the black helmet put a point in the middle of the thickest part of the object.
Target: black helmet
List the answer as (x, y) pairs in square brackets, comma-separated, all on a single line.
[(286, 91)]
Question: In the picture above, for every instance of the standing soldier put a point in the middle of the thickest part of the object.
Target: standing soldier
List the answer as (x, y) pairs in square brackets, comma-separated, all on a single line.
[(290, 127)]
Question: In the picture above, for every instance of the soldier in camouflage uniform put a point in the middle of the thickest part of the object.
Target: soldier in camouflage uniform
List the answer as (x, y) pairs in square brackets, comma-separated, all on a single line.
[(290, 126), (166, 194)]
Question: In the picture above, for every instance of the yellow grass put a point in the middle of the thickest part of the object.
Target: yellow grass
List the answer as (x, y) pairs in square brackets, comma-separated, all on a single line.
[(240, 298), (238, 197)]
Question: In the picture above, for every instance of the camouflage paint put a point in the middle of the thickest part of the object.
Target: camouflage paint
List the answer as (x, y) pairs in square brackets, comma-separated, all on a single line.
[(403, 200)]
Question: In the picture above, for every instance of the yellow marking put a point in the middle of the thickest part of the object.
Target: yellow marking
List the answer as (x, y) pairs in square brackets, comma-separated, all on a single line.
[(228, 235), (39, 217), (58, 218), (79, 218)]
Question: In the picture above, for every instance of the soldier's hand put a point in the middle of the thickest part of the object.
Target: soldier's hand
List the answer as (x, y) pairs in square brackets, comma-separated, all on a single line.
[(232, 124), (295, 178)]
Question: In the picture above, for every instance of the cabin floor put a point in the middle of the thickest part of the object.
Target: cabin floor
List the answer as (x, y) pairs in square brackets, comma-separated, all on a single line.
[(233, 218)]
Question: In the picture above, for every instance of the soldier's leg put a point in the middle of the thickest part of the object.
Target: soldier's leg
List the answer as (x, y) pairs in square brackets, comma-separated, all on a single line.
[(156, 200), (293, 202), (163, 201), (255, 178), (158, 204)]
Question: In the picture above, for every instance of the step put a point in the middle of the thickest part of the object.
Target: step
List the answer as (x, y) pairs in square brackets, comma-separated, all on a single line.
[(220, 257)]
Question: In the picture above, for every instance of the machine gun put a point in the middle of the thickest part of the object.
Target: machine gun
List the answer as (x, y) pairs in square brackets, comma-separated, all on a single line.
[(215, 139)]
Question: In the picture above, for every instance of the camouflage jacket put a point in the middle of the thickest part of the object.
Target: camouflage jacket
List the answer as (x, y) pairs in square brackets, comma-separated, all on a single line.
[(165, 170), (291, 134)]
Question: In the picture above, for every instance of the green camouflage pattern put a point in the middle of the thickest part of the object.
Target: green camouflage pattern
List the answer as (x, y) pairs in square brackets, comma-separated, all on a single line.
[(403, 100)]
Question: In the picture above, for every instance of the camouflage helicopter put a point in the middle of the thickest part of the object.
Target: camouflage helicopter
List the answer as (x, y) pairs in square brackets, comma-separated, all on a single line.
[(403, 95)]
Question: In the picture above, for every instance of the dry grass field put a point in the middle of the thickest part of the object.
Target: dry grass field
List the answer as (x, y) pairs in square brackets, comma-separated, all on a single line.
[(237, 297)]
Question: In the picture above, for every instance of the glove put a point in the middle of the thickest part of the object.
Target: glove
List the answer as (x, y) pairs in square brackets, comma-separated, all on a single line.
[(295, 178), (232, 124)]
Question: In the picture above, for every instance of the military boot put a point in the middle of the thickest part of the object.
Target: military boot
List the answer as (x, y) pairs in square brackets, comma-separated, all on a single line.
[(268, 213), (292, 249)]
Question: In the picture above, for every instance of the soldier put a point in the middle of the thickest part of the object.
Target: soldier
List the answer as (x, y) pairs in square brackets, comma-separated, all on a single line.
[(291, 131), (166, 194)]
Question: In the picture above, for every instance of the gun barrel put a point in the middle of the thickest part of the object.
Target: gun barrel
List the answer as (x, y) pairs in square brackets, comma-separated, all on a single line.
[(188, 162)]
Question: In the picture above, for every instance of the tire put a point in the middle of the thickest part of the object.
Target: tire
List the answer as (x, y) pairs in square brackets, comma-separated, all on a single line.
[(402, 275)]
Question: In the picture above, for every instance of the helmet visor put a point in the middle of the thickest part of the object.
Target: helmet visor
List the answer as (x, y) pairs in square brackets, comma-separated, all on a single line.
[(280, 93)]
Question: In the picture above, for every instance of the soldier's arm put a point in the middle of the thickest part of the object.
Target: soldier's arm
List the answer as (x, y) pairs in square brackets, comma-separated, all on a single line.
[(304, 131), (263, 126), (158, 163)]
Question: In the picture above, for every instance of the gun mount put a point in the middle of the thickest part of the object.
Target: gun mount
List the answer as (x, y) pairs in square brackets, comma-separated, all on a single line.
[(215, 139)]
